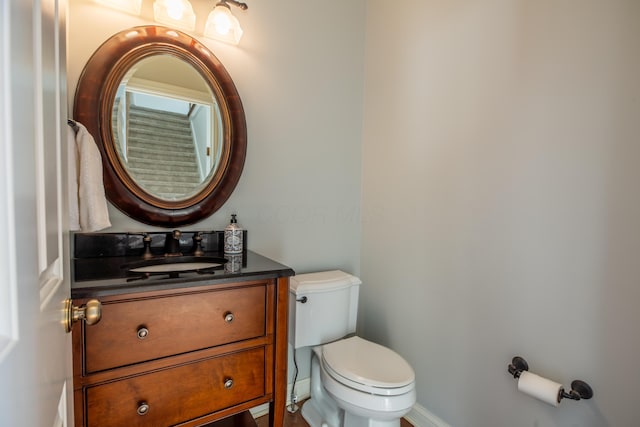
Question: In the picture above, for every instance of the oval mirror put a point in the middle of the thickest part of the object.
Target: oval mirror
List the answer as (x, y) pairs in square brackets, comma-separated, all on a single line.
[(169, 124)]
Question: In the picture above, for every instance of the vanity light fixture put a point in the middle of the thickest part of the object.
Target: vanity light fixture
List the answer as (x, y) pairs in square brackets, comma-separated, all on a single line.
[(175, 13), (222, 25), (129, 6)]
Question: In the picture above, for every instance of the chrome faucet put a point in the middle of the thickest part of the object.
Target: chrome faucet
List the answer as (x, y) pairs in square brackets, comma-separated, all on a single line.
[(172, 244)]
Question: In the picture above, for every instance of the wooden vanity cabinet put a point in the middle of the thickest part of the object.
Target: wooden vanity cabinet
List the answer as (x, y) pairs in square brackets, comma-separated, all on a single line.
[(183, 357)]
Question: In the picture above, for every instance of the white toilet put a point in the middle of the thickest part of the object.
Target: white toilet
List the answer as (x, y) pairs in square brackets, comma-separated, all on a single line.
[(354, 382)]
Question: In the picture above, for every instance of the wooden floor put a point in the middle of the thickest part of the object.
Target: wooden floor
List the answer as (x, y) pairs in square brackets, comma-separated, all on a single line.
[(296, 420)]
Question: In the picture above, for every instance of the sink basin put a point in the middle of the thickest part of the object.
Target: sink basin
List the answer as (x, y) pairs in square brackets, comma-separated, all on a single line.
[(178, 264)]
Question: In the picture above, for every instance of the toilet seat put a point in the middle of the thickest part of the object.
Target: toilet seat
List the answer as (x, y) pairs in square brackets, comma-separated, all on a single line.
[(367, 367)]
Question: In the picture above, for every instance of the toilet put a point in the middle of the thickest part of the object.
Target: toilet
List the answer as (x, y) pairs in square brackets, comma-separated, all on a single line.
[(354, 382)]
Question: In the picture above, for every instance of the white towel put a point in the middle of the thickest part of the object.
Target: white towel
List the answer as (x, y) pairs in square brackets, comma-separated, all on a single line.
[(87, 202)]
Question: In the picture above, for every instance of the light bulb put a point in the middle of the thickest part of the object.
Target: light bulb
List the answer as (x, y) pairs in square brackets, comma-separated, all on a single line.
[(175, 9), (222, 25), (175, 13)]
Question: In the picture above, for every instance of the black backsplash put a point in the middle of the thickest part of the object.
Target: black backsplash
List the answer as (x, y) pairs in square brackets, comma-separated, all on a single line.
[(93, 245)]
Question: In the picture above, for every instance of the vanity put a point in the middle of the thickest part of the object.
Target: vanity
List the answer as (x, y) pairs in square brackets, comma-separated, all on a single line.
[(177, 349), (155, 343)]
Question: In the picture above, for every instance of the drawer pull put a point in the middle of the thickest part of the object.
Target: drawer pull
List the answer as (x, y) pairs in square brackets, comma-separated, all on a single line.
[(228, 383), (143, 333), (143, 408), (228, 317)]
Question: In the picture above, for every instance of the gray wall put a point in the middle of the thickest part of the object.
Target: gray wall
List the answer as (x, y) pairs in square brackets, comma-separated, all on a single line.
[(498, 187), (501, 166)]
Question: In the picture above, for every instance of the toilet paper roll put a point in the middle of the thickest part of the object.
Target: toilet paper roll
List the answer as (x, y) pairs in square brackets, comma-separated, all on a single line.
[(541, 388)]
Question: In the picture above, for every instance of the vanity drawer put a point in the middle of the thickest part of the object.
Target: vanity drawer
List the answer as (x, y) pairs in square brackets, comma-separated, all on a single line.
[(135, 331), (178, 394)]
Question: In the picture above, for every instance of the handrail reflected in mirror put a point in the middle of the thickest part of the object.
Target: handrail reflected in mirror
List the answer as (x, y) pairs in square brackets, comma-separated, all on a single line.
[(169, 123)]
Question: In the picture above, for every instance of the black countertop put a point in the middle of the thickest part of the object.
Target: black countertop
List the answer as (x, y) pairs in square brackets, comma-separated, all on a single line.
[(102, 276)]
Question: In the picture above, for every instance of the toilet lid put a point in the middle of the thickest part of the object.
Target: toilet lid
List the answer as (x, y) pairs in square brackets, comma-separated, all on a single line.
[(367, 366)]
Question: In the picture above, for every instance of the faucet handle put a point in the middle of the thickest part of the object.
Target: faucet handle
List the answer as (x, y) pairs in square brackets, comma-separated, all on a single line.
[(197, 244), (172, 243), (146, 240)]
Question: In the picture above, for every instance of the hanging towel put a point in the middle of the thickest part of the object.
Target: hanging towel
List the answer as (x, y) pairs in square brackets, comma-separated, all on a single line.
[(87, 202)]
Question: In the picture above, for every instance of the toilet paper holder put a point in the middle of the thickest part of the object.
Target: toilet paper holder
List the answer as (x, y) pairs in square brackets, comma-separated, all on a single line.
[(579, 389)]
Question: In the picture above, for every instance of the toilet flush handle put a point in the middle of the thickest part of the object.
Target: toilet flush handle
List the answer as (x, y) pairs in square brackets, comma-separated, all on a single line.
[(302, 300)]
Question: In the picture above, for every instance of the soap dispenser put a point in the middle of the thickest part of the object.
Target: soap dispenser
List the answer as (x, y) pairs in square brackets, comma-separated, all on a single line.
[(233, 237)]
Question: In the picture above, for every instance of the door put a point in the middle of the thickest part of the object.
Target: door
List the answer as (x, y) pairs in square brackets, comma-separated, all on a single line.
[(35, 353)]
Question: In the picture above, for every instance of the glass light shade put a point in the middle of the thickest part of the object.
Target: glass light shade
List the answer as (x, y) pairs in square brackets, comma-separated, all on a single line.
[(175, 13), (222, 25), (129, 6)]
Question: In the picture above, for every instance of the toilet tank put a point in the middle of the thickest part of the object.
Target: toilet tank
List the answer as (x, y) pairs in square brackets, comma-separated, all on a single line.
[(323, 307)]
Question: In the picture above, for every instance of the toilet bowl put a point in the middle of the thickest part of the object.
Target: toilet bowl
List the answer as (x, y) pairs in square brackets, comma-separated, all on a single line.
[(354, 382), (373, 384)]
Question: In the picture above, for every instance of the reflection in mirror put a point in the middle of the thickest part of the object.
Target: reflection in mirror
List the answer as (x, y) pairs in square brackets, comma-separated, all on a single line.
[(167, 127)]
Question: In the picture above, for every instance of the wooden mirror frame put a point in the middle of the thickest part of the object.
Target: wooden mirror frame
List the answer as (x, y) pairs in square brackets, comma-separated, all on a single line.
[(93, 105)]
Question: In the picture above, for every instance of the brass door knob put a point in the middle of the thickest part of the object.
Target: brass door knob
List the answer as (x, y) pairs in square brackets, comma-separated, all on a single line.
[(91, 313)]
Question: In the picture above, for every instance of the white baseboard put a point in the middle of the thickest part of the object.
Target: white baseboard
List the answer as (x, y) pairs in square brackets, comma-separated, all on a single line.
[(259, 411), (303, 391), (419, 416)]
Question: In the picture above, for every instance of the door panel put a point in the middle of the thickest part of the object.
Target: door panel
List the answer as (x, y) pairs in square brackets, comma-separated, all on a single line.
[(35, 358)]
